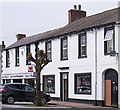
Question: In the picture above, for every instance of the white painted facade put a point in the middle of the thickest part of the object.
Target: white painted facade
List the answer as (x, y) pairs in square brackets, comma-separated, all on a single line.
[(75, 64)]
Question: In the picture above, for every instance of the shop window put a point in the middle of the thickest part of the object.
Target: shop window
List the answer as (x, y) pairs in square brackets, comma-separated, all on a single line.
[(17, 80), (82, 45), (83, 83), (8, 81), (30, 82), (49, 83), (109, 42)]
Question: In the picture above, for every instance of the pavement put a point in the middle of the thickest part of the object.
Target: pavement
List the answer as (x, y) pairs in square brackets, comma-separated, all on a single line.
[(54, 105), (75, 105)]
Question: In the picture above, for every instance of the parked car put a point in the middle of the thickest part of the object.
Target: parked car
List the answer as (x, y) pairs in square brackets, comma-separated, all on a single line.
[(20, 92)]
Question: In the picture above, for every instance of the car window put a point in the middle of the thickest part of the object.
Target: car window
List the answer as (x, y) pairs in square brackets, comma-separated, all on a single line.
[(28, 88), (15, 86)]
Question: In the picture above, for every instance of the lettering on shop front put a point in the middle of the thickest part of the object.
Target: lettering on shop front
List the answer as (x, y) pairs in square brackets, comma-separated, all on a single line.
[(16, 76), (29, 76)]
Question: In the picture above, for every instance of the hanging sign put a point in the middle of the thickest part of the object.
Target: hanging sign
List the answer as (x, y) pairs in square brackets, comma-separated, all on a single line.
[(30, 68)]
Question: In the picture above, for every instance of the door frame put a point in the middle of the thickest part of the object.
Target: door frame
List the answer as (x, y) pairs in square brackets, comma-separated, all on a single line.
[(62, 85)]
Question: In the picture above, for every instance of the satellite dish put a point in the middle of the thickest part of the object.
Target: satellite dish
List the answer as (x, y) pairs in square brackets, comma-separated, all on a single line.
[(113, 53)]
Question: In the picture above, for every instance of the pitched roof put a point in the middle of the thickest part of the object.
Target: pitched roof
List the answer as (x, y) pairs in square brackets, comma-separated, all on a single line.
[(110, 16)]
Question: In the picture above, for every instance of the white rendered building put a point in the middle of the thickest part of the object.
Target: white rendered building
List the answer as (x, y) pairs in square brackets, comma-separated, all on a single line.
[(84, 58)]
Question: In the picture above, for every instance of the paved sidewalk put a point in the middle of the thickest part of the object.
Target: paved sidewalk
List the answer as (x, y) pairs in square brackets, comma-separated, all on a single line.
[(75, 105)]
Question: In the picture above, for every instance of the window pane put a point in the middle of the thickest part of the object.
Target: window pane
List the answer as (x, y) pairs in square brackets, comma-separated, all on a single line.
[(83, 50), (8, 81), (83, 83), (64, 53), (64, 43), (83, 40), (64, 49), (48, 50), (48, 46), (49, 55), (109, 46), (109, 35), (49, 83)]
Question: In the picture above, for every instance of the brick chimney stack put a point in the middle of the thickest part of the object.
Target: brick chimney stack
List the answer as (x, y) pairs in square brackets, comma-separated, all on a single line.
[(75, 14), (20, 36)]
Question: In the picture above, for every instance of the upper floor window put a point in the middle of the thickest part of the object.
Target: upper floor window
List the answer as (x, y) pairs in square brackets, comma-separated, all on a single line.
[(64, 49), (109, 40), (17, 56), (49, 50), (7, 58), (82, 45), (36, 49), (27, 52)]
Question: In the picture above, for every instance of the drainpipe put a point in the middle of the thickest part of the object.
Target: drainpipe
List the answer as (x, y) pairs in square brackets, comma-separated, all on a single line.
[(118, 57), (95, 67), (119, 65)]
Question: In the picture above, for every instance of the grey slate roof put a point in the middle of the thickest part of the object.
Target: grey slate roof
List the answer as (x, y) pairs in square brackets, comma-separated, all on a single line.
[(110, 16)]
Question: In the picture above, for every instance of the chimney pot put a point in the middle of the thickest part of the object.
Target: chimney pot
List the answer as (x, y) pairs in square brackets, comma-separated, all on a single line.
[(79, 7), (3, 45), (75, 7)]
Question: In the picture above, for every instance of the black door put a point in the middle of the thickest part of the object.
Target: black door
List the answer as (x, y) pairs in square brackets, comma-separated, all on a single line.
[(113, 76), (114, 93), (63, 87)]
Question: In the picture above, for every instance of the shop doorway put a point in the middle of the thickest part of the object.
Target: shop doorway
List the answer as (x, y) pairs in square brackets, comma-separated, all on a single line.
[(64, 86), (111, 88)]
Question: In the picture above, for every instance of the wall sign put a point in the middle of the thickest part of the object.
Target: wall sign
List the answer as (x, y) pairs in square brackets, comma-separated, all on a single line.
[(30, 68)]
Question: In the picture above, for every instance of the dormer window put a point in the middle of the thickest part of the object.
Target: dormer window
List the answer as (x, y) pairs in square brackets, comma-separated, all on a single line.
[(109, 40), (7, 58)]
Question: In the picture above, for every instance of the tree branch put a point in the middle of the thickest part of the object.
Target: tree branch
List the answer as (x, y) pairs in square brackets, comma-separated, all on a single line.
[(45, 63), (30, 58)]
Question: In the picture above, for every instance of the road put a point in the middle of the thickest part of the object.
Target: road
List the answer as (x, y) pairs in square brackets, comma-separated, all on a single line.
[(27, 106)]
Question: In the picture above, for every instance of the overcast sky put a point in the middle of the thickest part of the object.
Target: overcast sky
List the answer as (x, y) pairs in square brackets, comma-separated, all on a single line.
[(36, 17)]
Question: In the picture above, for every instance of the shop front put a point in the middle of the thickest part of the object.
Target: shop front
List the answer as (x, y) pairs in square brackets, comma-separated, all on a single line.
[(18, 78)]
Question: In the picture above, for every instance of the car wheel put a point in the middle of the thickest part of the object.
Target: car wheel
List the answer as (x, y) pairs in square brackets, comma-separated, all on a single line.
[(44, 101), (10, 100)]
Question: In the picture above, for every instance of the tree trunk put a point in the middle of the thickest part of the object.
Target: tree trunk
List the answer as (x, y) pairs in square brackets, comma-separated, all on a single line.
[(38, 97)]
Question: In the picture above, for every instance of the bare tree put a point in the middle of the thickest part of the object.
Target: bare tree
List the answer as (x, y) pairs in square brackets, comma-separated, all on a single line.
[(41, 61)]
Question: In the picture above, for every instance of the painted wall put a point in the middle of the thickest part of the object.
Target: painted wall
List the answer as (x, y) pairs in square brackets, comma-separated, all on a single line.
[(75, 64)]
